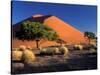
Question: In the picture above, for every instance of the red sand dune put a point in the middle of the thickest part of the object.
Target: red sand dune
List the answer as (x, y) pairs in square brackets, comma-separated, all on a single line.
[(66, 32)]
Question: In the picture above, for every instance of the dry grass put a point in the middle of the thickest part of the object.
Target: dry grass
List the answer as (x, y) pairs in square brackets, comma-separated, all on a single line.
[(50, 51), (64, 50), (78, 47), (28, 56), (56, 50), (16, 55)]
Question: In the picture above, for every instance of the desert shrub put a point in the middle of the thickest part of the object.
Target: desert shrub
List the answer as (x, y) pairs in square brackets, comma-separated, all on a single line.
[(22, 47), (56, 50), (78, 47), (49, 51), (90, 46), (28, 56), (64, 50), (43, 51), (16, 55)]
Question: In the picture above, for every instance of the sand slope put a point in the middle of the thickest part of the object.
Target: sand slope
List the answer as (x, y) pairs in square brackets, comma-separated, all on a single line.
[(66, 32)]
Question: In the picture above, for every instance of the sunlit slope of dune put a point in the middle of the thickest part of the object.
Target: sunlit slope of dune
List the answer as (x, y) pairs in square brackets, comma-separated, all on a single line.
[(66, 32)]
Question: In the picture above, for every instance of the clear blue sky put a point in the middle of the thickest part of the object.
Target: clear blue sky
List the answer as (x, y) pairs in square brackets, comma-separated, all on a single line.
[(81, 17)]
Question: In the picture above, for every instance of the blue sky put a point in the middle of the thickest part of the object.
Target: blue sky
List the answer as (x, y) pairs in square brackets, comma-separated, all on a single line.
[(82, 17)]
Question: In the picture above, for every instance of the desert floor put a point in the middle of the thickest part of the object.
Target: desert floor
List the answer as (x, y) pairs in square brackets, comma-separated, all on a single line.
[(75, 60)]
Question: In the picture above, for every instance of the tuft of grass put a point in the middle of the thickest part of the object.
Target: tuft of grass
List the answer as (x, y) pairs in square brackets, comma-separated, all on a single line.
[(16, 55), (50, 51), (56, 50), (78, 47), (43, 51), (64, 50), (28, 56)]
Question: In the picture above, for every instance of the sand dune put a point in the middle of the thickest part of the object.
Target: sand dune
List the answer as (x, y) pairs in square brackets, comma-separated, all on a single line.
[(66, 32)]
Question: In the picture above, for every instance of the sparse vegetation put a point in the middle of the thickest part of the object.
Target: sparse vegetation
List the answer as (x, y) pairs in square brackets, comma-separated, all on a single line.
[(47, 51), (78, 47), (89, 36), (23, 54), (64, 50), (17, 55), (55, 53), (35, 31), (50, 55), (28, 57), (89, 47), (56, 50)]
